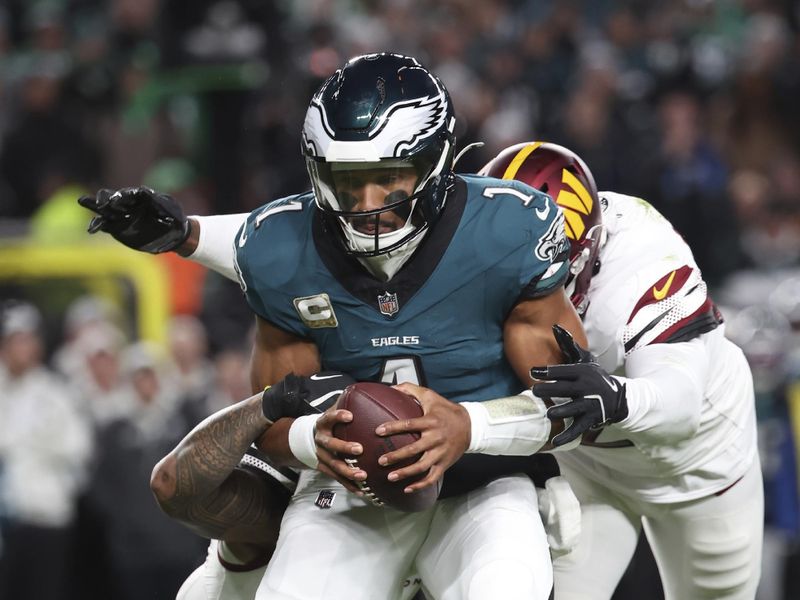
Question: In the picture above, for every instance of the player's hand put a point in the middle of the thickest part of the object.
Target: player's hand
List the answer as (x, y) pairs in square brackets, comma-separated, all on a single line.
[(597, 397), (139, 217), (444, 437), (330, 448), (297, 395)]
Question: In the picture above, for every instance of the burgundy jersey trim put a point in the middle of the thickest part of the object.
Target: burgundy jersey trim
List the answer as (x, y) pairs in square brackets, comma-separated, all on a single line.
[(704, 319), (663, 288)]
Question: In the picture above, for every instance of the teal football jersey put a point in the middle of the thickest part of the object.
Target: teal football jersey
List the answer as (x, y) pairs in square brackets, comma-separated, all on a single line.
[(439, 321)]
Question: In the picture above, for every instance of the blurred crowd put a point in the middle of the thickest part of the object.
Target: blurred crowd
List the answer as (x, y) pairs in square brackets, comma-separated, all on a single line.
[(690, 104), (79, 435)]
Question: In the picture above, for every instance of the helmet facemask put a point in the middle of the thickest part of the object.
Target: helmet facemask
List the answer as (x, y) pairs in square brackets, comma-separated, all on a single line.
[(582, 267), (379, 206)]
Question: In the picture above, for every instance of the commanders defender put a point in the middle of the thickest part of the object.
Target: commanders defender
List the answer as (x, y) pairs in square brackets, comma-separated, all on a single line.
[(678, 455)]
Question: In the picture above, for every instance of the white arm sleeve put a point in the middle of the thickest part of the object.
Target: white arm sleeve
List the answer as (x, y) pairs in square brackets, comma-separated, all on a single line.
[(215, 245), (517, 425), (665, 386)]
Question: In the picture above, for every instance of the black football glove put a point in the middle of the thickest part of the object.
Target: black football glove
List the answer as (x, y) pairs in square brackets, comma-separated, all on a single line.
[(139, 217), (295, 395), (597, 397)]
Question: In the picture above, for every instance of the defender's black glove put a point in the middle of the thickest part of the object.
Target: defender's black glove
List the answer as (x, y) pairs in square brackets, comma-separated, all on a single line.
[(295, 395), (597, 397), (139, 217)]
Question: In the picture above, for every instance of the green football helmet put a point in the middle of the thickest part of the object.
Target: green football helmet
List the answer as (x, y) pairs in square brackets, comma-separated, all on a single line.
[(381, 119)]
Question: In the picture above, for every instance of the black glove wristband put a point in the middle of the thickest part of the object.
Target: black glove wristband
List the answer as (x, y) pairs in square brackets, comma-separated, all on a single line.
[(295, 395)]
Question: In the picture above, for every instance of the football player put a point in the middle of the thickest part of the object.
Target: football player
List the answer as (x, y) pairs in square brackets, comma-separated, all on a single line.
[(665, 402), (394, 269)]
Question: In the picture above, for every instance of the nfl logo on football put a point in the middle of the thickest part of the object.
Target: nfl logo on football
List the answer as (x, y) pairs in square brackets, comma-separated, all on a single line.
[(388, 303)]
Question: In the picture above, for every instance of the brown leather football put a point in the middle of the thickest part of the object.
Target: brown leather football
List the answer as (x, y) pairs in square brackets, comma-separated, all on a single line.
[(371, 405)]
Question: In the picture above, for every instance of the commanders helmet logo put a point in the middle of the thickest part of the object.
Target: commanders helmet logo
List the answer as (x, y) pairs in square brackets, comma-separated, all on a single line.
[(575, 203)]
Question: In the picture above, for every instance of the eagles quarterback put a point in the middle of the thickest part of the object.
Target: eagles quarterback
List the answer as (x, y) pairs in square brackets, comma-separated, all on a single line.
[(392, 269)]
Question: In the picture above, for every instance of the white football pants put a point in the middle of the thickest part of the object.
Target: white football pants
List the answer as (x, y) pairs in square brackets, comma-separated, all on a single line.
[(212, 581), (487, 544), (484, 545), (706, 548)]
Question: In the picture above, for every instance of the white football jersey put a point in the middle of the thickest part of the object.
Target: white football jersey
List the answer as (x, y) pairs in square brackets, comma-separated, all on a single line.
[(649, 300)]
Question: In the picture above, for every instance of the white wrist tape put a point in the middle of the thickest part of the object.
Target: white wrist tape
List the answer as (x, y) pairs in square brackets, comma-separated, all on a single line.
[(301, 440), (215, 243), (516, 425)]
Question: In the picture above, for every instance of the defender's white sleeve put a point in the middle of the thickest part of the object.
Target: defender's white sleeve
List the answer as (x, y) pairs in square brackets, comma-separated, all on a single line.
[(215, 245), (665, 386), (516, 425)]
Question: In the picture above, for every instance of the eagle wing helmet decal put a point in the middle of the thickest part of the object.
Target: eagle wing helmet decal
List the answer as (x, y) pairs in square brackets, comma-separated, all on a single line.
[(398, 130)]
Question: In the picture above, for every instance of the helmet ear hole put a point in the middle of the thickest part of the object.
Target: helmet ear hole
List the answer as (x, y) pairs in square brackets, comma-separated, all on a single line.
[(545, 187)]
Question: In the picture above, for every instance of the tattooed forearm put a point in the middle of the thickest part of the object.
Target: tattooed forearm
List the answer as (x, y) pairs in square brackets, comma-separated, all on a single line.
[(206, 457), (244, 508)]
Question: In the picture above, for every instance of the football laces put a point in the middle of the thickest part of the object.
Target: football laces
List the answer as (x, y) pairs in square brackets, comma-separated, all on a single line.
[(362, 485)]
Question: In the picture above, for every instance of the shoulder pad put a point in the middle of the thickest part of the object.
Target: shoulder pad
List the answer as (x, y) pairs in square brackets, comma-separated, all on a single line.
[(253, 225), (675, 308)]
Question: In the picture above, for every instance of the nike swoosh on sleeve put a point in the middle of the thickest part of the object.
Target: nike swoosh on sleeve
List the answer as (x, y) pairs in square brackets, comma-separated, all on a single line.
[(660, 294)]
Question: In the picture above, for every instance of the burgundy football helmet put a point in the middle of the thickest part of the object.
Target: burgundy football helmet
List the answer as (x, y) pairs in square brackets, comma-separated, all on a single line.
[(565, 177)]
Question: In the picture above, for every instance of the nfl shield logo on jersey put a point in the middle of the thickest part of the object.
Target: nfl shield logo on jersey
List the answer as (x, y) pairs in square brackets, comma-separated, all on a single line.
[(388, 303), (325, 498)]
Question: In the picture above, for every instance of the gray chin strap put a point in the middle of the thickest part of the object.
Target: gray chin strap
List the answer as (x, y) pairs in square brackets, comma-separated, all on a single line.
[(386, 266)]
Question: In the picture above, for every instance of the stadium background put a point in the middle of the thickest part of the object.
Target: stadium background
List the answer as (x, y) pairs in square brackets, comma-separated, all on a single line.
[(691, 104)]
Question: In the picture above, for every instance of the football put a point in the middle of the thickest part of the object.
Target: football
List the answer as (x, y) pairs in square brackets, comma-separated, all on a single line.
[(371, 405)]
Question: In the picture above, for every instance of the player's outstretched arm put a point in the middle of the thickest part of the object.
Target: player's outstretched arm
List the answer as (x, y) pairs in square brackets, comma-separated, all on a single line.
[(199, 484), (146, 220)]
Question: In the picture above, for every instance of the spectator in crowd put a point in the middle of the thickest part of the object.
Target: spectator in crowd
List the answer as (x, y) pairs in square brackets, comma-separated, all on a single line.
[(188, 344), (148, 556), (98, 379), (44, 449), (81, 314), (232, 376)]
